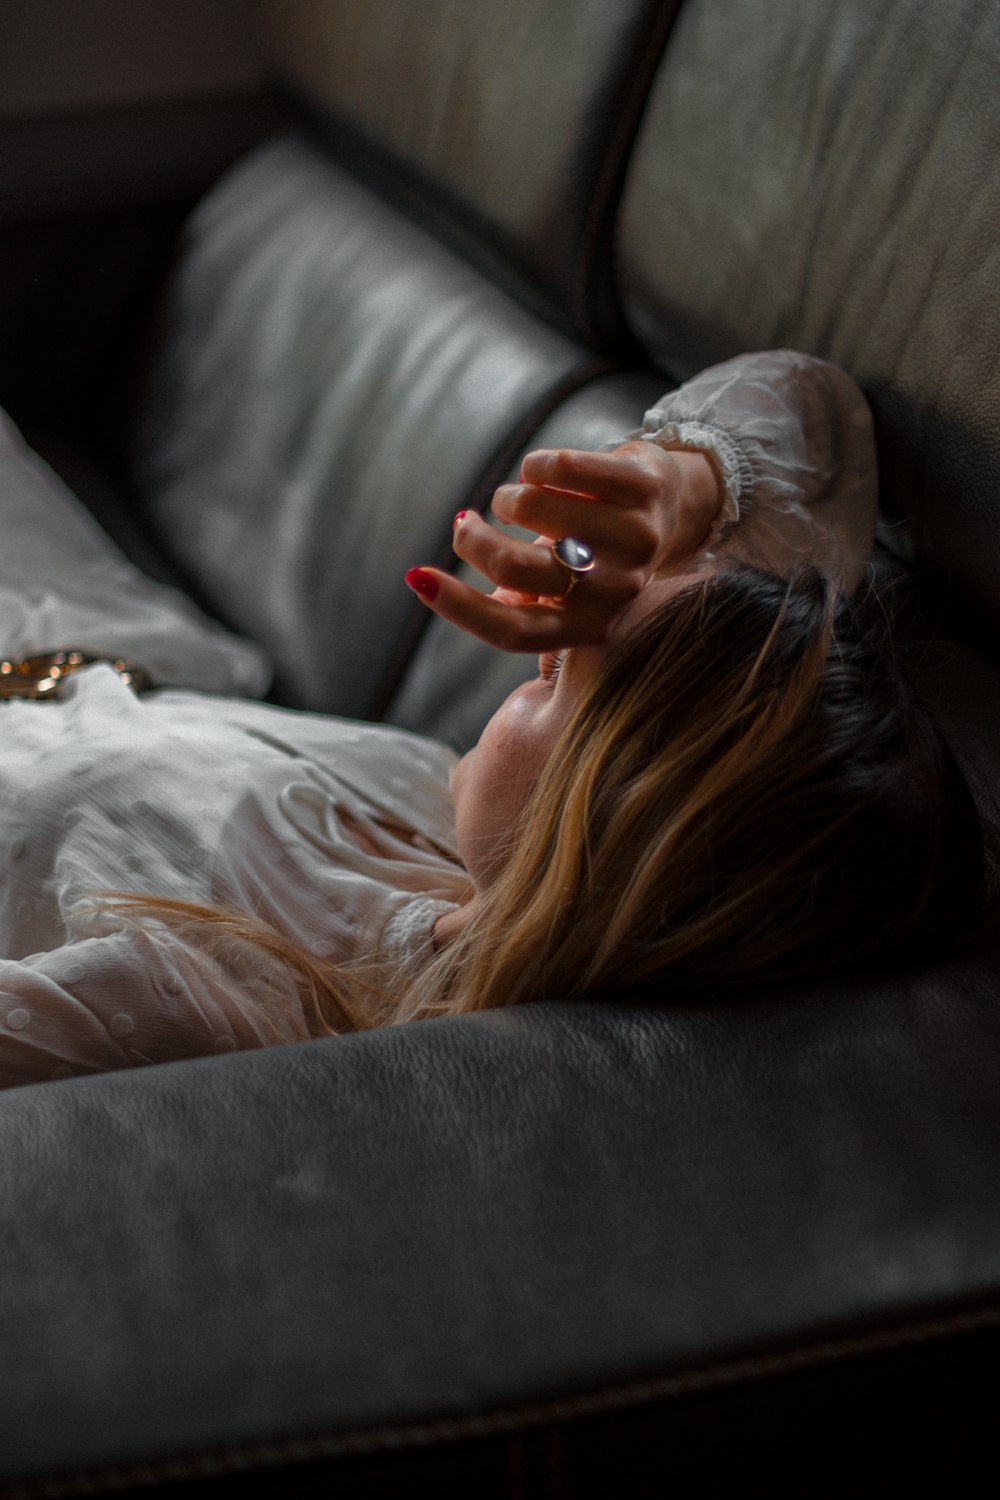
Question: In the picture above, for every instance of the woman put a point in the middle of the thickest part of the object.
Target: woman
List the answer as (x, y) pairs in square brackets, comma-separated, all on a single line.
[(716, 777)]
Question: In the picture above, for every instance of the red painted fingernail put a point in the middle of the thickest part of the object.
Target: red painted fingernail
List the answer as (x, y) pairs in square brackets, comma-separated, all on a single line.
[(423, 583)]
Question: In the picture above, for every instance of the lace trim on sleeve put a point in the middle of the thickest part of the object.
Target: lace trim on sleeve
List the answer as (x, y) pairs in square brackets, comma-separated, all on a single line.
[(409, 932), (733, 468), (791, 440)]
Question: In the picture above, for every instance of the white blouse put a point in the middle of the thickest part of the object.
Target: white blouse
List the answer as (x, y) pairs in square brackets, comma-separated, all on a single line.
[(335, 833), (338, 834)]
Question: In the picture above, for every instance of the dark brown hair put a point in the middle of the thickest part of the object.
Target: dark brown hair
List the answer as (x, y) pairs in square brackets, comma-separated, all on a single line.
[(748, 791)]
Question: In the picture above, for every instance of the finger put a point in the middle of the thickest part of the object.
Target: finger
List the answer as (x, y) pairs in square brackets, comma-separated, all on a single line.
[(631, 473), (527, 571), (530, 568), (538, 626), (622, 538)]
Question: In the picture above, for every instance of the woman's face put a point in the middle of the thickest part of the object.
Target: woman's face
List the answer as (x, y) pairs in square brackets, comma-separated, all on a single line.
[(492, 783)]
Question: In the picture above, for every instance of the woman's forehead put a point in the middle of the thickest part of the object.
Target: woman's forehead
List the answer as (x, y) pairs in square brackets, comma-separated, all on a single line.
[(656, 593), (582, 662)]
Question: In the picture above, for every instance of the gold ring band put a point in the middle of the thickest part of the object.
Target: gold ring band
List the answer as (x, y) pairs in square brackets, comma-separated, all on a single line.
[(575, 558)]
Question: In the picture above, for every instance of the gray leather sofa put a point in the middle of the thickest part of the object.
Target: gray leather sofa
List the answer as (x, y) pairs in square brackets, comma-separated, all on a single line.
[(568, 1250)]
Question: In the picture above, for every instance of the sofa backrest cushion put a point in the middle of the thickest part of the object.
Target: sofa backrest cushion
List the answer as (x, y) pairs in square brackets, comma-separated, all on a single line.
[(510, 118), (825, 177), (331, 386)]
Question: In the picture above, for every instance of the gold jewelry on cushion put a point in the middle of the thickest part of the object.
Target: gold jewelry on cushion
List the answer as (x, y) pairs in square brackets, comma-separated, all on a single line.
[(42, 676)]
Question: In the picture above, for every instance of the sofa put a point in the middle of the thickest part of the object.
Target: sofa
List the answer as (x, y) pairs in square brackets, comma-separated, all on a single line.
[(571, 1249)]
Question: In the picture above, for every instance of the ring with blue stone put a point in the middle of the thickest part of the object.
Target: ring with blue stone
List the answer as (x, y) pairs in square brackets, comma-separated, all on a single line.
[(575, 558)]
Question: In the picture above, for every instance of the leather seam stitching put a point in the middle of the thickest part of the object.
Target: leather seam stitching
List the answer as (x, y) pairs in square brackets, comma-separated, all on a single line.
[(604, 200), (251, 1456)]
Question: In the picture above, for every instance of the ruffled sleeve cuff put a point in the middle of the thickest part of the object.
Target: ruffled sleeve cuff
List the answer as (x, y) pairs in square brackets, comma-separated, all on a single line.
[(409, 932), (733, 468), (790, 438)]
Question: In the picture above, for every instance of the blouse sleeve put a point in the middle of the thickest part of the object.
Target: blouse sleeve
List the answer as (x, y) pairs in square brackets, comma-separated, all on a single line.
[(129, 997), (791, 440)]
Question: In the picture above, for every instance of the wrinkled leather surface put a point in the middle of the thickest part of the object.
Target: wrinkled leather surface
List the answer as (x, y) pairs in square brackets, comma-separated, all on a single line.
[(331, 387), (466, 1215), (825, 177), (515, 116), (453, 682)]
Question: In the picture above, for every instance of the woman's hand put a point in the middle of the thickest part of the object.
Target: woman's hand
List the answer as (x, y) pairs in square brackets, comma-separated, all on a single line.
[(642, 510)]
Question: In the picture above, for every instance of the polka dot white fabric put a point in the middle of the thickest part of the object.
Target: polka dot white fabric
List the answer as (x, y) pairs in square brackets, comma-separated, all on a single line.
[(340, 835)]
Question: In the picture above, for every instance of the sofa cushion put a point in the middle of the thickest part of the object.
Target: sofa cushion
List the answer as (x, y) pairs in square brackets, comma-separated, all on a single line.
[(481, 1221), (332, 386), (510, 119), (824, 177)]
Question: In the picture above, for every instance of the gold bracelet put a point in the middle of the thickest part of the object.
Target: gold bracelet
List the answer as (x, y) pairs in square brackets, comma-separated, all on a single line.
[(42, 676)]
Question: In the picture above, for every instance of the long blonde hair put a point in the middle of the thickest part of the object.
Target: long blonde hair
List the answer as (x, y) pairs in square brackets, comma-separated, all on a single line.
[(748, 791)]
